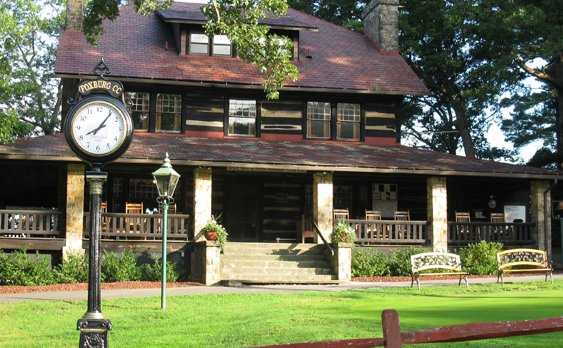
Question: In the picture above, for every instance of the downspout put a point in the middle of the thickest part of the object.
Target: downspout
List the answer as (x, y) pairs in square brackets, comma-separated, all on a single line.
[(547, 241)]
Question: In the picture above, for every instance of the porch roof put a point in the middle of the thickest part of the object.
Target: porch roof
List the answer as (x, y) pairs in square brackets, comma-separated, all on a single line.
[(256, 154)]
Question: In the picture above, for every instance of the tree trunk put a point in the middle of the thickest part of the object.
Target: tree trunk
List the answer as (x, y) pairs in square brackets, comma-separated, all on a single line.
[(559, 107), (462, 124)]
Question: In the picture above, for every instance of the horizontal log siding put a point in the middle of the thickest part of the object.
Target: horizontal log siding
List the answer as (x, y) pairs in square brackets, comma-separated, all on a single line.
[(204, 113), (380, 120), (284, 117)]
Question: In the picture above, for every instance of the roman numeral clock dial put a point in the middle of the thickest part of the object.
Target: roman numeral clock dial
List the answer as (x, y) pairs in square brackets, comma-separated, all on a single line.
[(99, 128)]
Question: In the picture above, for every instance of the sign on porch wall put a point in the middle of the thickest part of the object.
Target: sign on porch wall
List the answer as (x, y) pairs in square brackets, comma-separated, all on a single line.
[(515, 212)]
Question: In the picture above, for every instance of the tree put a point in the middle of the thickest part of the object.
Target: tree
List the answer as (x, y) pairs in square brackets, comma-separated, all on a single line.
[(347, 13), (529, 34), (442, 42), (238, 19), (29, 92)]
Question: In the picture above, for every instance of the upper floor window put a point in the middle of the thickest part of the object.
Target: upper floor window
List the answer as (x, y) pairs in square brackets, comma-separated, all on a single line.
[(318, 120), (222, 45), (168, 112), (138, 105), (242, 117), (198, 43), (348, 118)]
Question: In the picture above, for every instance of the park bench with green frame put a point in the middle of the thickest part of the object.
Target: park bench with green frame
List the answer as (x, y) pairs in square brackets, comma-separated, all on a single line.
[(434, 261), (521, 261)]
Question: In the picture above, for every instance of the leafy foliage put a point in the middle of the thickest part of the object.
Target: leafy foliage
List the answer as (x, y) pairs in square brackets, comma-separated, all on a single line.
[(214, 226), (347, 13), (153, 271), (18, 268), (73, 270), (119, 267), (480, 258), (29, 93), (369, 264), (400, 264), (343, 233)]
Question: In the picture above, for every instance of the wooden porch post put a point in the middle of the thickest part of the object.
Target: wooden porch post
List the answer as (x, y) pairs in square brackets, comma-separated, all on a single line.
[(323, 204), (74, 210), (540, 194), (437, 194), (202, 200)]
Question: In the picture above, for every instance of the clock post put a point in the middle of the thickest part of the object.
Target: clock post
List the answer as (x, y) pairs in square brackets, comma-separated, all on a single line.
[(98, 129)]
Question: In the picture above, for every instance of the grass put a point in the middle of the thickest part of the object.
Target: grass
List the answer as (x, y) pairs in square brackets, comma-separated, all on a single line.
[(236, 320)]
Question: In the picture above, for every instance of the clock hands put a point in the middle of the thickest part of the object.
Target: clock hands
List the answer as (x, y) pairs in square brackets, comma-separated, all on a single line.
[(102, 125)]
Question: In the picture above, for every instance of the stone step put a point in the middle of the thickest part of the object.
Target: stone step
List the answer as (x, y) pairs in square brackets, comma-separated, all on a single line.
[(257, 279), (273, 258), (227, 262), (229, 250), (264, 271)]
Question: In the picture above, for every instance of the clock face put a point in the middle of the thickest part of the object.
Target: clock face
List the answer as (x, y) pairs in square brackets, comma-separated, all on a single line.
[(98, 128)]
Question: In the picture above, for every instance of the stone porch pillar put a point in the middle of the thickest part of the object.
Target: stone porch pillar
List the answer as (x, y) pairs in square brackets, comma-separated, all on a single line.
[(540, 196), (437, 194), (323, 204), (74, 210), (202, 200)]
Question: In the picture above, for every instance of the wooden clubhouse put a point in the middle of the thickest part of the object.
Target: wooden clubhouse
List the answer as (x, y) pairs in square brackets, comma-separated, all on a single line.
[(279, 174)]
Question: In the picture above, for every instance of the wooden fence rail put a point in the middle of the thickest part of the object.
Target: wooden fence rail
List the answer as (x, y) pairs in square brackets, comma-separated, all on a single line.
[(471, 232), (394, 338), (141, 226), (30, 223), (389, 231)]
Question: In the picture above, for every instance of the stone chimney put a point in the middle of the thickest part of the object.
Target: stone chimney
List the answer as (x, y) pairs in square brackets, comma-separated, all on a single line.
[(75, 14), (381, 23)]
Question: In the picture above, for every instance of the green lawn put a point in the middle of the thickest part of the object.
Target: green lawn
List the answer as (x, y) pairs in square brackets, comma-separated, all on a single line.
[(235, 320)]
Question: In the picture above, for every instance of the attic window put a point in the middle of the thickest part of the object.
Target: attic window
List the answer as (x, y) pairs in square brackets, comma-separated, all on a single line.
[(221, 45), (199, 43)]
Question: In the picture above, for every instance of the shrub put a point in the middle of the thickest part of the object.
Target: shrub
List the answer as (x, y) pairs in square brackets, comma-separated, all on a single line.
[(18, 268), (343, 233), (369, 263), (73, 270), (480, 258), (153, 271), (119, 267), (400, 264)]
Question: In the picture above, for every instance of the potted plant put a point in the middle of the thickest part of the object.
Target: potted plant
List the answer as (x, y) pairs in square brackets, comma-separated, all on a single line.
[(214, 231), (343, 233)]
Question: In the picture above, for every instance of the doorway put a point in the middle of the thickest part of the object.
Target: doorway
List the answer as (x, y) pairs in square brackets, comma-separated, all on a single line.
[(242, 208)]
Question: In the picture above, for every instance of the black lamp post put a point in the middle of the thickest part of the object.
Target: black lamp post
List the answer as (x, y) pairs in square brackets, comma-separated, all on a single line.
[(166, 180)]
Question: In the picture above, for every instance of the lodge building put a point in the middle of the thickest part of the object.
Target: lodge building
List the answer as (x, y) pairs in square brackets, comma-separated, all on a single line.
[(278, 174)]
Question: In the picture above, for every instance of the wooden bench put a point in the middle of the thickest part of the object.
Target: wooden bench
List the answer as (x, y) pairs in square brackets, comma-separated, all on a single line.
[(420, 263), (523, 260)]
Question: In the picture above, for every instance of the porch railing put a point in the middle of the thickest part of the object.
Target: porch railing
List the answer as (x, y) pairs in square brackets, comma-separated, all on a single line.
[(506, 233), (31, 223), (389, 231), (141, 226)]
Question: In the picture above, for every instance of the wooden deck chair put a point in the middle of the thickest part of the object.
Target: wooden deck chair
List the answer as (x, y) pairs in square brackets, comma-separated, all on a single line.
[(134, 209), (373, 215), (375, 231), (402, 216), (463, 231), (341, 214), (401, 230), (105, 219), (497, 217), (462, 217)]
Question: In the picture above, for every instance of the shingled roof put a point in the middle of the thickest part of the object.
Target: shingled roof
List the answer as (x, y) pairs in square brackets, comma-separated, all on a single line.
[(306, 155), (142, 48)]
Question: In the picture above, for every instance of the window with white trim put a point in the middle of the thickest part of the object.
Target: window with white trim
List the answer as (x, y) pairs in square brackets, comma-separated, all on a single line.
[(348, 118), (242, 117), (198, 43), (168, 112), (222, 45), (138, 105), (318, 120)]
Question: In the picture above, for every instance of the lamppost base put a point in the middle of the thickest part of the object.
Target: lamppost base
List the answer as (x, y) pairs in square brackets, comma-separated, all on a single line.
[(93, 331)]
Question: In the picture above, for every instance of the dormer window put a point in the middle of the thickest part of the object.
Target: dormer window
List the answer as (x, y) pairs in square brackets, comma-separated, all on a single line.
[(199, 43), (222, 46)]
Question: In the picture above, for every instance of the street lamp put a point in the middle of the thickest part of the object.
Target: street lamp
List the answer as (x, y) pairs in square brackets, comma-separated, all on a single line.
[(166, 179)]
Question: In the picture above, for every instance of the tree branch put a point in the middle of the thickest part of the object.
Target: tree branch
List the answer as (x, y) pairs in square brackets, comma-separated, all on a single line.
[(534, 72)]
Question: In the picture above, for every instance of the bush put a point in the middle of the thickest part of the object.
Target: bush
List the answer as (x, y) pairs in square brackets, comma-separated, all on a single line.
[(214, 226), (153, 271), (400, 264), (73, 270), (480, 258), (119, 267), (18, 268), (343, 233), (369, 263)]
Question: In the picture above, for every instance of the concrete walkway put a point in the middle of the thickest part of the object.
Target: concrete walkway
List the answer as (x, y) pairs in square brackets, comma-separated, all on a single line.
[(205, 290)]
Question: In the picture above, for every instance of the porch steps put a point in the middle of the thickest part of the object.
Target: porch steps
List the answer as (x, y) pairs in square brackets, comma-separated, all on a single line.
[(276, 263)]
